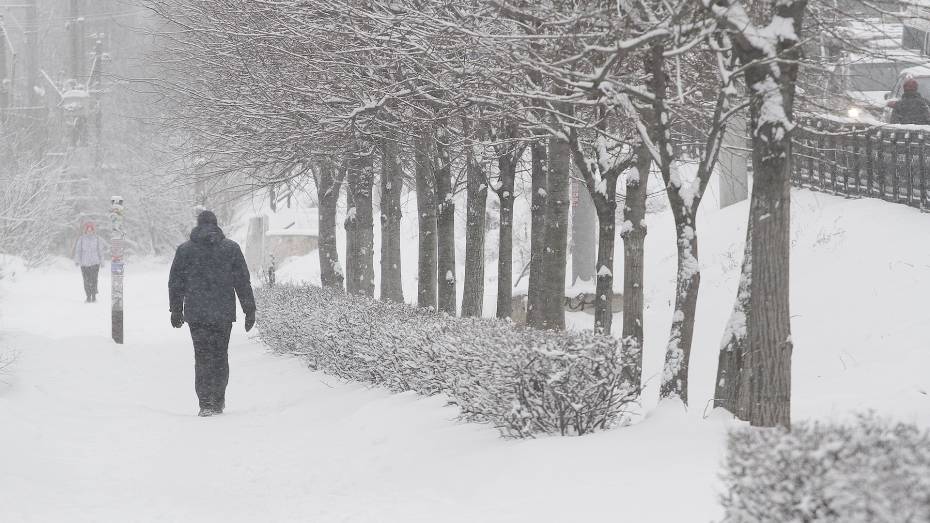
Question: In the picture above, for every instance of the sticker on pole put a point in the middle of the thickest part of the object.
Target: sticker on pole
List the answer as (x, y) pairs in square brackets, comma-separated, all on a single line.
[(116, 267)]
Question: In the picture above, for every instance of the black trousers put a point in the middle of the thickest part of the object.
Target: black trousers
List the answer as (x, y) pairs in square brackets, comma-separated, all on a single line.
[(211, 363), (91, 274)]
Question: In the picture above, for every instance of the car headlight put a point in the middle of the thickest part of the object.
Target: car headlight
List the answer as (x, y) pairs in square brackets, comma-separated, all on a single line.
[(854, 112)]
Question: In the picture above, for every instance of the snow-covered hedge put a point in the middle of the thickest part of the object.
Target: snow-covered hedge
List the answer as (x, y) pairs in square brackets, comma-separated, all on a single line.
[(524, 381), (867, 471)]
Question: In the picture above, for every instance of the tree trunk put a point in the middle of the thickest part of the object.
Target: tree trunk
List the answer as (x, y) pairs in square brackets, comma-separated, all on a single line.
[(678, 352), (508, 167), (426, 218), (769, 319), (771, 109), (556, 247), (477, 192), (360, 227), (445, 223), (606, 238), (684, 201), (391, 186), (328, 184), (535, 306), (602, 188), (366, 224), (634, 241), (351, 226), (730, 363), (769, 325)]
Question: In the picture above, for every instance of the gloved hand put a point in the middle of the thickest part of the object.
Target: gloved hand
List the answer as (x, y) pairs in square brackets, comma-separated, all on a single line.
[(249, 320), (177, 319)]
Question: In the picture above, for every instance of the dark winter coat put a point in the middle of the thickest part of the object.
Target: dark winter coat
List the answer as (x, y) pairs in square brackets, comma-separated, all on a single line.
[(207, 273), (911, 109)]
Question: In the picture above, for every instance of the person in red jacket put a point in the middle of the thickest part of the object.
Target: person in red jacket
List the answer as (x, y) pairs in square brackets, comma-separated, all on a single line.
[(912, 108), (88, 255)]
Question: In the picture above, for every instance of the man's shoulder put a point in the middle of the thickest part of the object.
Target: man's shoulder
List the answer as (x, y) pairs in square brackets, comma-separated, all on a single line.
[(184, 247), (229, 244)]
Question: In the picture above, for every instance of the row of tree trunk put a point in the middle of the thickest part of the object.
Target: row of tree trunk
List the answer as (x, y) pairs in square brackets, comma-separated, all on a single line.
[(435, 188)]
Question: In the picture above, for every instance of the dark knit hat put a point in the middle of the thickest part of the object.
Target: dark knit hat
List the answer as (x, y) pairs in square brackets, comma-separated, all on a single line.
[(206, 218)]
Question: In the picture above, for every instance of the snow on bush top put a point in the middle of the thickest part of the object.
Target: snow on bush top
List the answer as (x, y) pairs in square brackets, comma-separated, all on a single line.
[(523, 381)]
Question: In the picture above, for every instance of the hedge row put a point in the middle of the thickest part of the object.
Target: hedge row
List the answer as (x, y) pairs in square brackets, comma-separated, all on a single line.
[(867, 471), (524, 381)]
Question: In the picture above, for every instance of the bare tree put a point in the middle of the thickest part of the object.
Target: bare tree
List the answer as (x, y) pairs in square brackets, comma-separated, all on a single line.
[(770, 55), (477, 194), (392, 183)]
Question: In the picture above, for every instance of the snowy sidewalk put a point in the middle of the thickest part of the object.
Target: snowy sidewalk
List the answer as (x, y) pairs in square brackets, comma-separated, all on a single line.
[(92, 431)]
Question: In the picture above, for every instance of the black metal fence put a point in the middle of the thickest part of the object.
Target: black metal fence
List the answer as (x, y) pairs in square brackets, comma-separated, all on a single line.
[(890, 162), (856, 160)]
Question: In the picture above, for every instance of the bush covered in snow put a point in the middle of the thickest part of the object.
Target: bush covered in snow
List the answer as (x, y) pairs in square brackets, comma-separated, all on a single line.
[(867, 471), (522, 380)]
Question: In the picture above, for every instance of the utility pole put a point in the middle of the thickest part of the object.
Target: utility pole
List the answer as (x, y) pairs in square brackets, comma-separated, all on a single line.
[(117, 267)]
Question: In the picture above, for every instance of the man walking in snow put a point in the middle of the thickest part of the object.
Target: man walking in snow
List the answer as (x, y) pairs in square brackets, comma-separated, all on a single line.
[(207, 273), (88, 255)]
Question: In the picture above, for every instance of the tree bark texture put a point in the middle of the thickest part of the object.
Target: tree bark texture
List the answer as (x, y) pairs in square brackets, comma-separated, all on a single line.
[(602, 188), (678, 351), (328, 184), (445, 226), (360, 225), (477, 195), (771, 103), (352, 242), (556, 248), (731, 379), (426, 219), (507, 167), (769, 325), (391, 187), (535, 307), (684, 200), (634, 241), (606, 239)]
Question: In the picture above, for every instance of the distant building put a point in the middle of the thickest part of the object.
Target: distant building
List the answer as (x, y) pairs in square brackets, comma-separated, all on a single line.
[(917, 28), (281, 234)]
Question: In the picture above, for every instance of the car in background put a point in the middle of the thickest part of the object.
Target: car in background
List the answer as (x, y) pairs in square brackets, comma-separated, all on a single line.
[(859, 84), (920, 73)]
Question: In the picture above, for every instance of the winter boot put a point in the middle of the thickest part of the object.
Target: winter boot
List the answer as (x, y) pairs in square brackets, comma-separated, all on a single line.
[(209, 411)]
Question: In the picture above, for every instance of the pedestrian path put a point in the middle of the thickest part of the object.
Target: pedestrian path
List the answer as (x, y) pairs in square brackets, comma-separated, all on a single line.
[(93, 431)]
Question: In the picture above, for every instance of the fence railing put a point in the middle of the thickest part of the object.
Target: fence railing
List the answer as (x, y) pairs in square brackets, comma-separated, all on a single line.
[(856, 160)]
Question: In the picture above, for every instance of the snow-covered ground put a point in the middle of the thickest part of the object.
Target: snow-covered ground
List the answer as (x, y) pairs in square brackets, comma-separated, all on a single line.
[(91, 431)]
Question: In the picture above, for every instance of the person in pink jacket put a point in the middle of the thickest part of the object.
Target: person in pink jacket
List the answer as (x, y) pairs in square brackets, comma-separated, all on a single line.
[(88, 255)]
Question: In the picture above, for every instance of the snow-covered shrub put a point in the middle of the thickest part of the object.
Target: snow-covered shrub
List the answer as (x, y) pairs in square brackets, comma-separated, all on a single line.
[(867, 471), (524, 381)]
